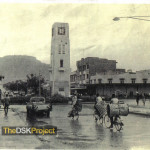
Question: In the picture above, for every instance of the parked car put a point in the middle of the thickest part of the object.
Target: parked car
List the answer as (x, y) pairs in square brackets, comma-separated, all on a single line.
[(16, 94), (37, 105), (27, 95)]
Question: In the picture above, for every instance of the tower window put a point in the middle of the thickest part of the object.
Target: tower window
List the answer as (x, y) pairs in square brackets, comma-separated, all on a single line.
[(59, 49), (61, 30), (63, 49), (61, 63)]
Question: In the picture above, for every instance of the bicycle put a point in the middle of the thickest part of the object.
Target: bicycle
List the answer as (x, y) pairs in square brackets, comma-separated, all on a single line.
[(74, 114), (117, 122), (98, 118)]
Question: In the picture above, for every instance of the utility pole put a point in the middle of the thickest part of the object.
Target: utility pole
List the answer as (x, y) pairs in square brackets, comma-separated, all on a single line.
[(39, 85)]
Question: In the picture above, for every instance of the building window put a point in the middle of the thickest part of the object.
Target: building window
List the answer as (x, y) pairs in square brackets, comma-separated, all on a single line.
[(94, 81), (61, 63), (61, 30), (144, 81), (63, 49), (84, 67), (83, 76), (133, 80), (80, 77), (80, 69), (71, 78), (59, 49), (91, 81), (121, 80), (87, 66), (87, 76), (61, 89), (110, 81), (99, 81)]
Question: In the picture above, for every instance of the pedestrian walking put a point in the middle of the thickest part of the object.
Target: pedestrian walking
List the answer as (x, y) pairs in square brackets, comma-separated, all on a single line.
[(6, 103), (137, 98), (143, 99)]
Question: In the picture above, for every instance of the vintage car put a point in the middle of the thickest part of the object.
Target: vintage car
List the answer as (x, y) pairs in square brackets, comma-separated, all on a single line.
[(37, 105)]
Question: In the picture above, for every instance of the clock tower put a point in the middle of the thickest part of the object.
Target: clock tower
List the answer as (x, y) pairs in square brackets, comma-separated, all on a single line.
[(60, 59)]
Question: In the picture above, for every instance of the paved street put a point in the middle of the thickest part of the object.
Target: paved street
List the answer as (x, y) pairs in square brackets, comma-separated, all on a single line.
[(84, 133)]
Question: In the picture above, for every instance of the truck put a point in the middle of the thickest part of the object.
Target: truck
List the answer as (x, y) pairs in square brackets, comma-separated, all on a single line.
[(37, 105)]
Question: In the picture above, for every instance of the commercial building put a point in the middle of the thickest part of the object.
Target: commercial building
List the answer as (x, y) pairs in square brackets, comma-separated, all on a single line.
[(60, 59), (126, 84), (90, 66)]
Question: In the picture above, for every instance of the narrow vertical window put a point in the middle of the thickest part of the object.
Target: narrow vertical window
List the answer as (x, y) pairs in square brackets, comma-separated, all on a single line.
[(63, 49), (59, 49), (61, 63), (61, 30), (87, 76)]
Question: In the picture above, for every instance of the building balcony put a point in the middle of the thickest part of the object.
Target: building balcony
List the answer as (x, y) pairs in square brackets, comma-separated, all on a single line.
[(61, 69)]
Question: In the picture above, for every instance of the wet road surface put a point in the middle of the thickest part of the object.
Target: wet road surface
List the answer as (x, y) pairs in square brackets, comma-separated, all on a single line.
[(85, 133)]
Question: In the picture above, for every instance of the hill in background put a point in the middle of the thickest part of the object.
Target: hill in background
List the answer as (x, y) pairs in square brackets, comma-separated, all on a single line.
[(16, 67)]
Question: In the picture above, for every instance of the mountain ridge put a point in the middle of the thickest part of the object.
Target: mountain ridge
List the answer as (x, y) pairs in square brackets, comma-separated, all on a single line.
[(16, 67)]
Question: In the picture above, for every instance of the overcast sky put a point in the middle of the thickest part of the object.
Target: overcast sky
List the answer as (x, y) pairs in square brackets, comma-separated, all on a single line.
[(25, 29)]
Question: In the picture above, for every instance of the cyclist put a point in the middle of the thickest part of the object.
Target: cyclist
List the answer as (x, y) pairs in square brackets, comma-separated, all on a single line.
[(74, 106), (6, 103), (114, 100), (99, 102)]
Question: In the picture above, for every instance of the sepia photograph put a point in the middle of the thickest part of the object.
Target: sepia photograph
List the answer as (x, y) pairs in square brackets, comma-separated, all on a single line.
[(74, 75)]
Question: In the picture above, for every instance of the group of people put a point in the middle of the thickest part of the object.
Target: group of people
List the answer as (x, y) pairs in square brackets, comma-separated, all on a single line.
[(99, 100), (113, 100), (141, 96)]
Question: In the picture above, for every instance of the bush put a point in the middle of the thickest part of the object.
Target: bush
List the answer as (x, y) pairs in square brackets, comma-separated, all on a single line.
[(57, 98), (88, 98), (18, 100)]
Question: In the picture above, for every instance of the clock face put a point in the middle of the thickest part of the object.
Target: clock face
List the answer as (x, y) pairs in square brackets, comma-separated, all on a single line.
[(61, 30)]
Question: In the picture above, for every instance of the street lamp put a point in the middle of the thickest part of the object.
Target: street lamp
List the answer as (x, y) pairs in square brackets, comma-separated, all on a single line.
[(133, 17)]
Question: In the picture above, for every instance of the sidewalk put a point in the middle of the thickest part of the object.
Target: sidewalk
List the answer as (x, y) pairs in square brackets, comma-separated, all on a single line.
[(15, 141), (140, 109)]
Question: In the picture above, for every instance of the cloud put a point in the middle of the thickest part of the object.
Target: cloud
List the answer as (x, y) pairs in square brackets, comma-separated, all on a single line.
[(26, 29)]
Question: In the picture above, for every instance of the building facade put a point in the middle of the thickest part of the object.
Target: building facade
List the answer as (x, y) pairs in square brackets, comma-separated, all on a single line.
[(60, 59), (126, 84), (91, 66)]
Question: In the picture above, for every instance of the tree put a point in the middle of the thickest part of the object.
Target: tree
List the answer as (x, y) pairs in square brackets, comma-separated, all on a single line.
[(17, 85), (1, 77), (33, 82)]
